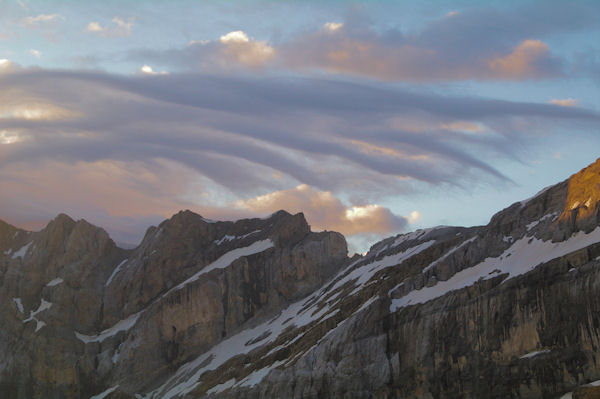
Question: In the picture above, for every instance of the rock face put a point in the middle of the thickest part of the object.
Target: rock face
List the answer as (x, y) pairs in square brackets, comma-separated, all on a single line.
[(79, 312), (265, 308)]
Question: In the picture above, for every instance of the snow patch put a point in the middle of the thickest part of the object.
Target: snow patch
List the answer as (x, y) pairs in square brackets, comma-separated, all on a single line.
[(508, 239), (257, 376), (232, 238), (456, 248), (221, 387), (115, 272), (362, 274), (19, 304), (536, 222), (105, 393), (533, 354), (54, 282), (122, 325), (227, 259), (224, 239), (22, 251), (521, 257), (44, 305)]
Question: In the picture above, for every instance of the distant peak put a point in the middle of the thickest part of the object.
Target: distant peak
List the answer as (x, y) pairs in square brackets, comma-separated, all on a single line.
[(63, 217)]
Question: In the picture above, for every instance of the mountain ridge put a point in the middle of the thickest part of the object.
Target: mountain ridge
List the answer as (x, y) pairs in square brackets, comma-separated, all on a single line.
[(266, 308)]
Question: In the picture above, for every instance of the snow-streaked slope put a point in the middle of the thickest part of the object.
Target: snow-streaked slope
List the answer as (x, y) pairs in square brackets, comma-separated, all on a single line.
[(122, 325), (227, 259), (44, 305), (299, 314), (521, 257), (20, 253), (105, 393), (54, 282), (115, 272)]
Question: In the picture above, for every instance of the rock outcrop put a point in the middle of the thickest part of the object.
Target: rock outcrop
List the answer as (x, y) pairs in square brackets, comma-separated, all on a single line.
[(265, 308)]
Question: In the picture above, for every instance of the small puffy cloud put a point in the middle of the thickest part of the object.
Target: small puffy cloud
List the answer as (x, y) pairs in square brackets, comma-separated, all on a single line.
[(567, 102), (326, 212), (237, 36), (414, 217), (42, 18), (147, 70), (238, 47), (94, 27), (118, 28), (35, 53), (333, 26), (7, 65)]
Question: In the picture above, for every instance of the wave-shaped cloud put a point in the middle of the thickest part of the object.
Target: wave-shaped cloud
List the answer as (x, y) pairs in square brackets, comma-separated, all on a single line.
[(204, 141)]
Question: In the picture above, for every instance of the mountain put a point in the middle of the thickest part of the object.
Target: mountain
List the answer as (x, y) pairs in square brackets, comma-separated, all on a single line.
[(265, 308)]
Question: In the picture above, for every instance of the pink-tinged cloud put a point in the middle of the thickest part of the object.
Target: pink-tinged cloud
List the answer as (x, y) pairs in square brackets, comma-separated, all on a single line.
[(326, 212), (341, 49), (567, 102), (108, 193), (118, 28), (238, 47), (526, 61)]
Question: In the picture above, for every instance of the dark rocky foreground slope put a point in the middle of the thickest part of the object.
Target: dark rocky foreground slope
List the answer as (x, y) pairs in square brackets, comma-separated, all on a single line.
[(264, 308)]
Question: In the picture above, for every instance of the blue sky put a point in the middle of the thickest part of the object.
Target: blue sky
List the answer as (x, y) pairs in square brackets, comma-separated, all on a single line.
[(372, 117)]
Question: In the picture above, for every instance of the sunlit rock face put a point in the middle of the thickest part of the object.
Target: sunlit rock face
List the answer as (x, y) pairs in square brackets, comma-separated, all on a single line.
[(265, 308)]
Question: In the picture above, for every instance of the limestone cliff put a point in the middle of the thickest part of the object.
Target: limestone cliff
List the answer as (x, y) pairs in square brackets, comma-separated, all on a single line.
[(265, 308)]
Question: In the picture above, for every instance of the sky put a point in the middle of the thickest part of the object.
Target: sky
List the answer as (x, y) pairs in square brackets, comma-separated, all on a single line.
[(372, 117)]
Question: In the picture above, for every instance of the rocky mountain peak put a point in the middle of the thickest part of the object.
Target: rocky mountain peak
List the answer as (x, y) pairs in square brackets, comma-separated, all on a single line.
[(582, 202)]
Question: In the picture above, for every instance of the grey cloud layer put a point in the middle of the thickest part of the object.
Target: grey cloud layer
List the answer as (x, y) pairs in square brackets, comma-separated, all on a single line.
[(231, 129)]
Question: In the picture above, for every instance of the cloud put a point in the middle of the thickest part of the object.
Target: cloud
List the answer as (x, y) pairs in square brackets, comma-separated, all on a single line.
[(414, 217), (238, 47), (326, 212), (204, 141), (119, 28), (42, 18), (526, 61), (35, 53), (480, 43), (333, 26), (567, 102), (147, 70), (94, 27), (6, 65), (125, 197)]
